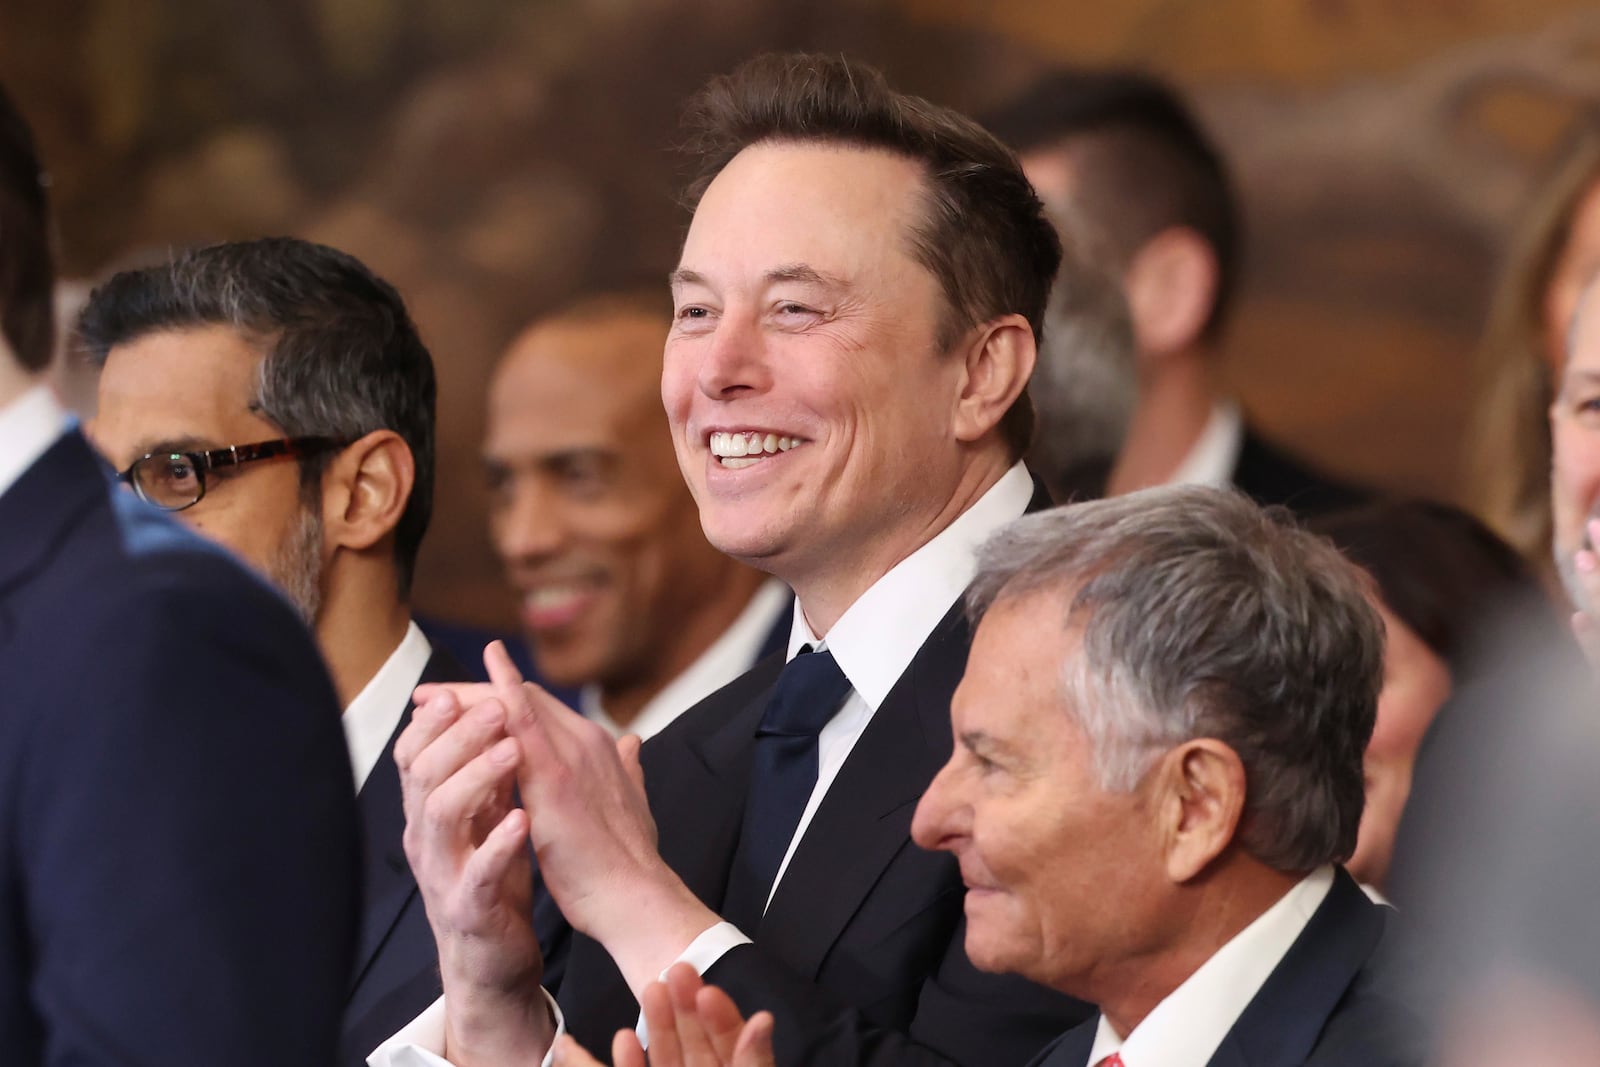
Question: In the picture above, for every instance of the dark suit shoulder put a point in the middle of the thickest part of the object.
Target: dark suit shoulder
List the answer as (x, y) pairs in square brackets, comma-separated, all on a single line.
[(712, 712), (1270, 475), (1383, 1018)]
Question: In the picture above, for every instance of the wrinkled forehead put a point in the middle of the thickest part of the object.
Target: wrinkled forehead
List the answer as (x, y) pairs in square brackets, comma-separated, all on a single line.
[(191, 385)]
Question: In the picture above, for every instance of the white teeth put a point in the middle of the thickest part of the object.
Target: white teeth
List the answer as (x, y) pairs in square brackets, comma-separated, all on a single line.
[(553, 596), (755, 444)]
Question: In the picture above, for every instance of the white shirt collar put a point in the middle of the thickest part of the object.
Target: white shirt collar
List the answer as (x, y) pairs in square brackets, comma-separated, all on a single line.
[(1188, 1026), (876, 638), (370, 719), (729, 656), (29, 425), (1215, 453)]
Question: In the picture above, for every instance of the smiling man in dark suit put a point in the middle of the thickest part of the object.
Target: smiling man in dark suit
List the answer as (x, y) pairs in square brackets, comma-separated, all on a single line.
[(177, 833), (857, 306), (275, 395)]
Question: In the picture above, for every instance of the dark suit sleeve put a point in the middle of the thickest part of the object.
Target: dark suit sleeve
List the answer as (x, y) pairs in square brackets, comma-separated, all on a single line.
[(962, 1017), (186, 831)]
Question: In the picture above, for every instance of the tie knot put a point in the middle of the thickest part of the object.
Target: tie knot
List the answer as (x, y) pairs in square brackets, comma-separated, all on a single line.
[(808, 693)]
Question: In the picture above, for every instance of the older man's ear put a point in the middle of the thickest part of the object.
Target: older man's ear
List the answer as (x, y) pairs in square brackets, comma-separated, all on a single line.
[(1201, 787)]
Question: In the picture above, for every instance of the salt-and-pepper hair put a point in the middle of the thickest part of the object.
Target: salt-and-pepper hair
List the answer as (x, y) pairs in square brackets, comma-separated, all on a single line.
[(1189, 612)]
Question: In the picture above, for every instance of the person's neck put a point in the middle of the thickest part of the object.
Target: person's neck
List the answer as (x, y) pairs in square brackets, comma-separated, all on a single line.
[(14, 381), (691, 634), (838, 578), (1176, 398), (1207, 916), (359, 625)]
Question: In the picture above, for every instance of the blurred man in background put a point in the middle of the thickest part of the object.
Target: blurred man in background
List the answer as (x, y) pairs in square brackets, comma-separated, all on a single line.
[(1121, 151), (619, 592)]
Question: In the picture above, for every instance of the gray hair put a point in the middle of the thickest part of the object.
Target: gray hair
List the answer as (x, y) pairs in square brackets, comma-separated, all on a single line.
[(1085, 385), (1201, 615)]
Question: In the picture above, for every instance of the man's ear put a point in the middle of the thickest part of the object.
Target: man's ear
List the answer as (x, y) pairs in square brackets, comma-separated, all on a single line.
[(998, 360), (1171, 286), (1203, 795), (365, 490)]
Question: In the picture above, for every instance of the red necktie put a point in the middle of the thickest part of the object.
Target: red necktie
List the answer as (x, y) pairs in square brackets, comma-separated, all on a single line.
[(1113, 1060)]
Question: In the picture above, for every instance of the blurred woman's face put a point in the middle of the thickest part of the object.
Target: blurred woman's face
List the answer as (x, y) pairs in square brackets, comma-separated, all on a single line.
[(1575, 268), (1416, 683)]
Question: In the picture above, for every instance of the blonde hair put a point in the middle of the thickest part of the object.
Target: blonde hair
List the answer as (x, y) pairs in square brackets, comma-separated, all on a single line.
[(1508, 468)]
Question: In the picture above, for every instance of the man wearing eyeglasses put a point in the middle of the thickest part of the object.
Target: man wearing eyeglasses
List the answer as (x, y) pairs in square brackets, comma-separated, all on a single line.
[(274, 395), (178, 876)]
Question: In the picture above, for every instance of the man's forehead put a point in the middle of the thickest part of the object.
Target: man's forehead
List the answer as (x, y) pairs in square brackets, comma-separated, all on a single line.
[(800, 196), (1583, 333)]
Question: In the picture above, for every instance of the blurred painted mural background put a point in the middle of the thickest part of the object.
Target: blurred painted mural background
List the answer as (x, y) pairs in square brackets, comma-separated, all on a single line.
[(494, 158)]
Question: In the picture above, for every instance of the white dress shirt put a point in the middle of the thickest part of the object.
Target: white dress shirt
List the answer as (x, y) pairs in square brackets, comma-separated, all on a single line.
[(873, 642), (29, 425), (370, 719), (1188, 1026), (729, 656), (1215, 453)]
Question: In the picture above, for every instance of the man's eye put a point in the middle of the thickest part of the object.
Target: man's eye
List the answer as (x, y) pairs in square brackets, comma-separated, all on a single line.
[(177, 470)]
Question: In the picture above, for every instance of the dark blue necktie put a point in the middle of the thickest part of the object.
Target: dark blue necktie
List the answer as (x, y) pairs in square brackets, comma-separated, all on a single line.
[(783, 773)]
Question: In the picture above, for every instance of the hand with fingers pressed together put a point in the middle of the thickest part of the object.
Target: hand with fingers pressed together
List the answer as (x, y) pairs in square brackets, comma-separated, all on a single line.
[(691, 1025), (465, 839), (584, 810)]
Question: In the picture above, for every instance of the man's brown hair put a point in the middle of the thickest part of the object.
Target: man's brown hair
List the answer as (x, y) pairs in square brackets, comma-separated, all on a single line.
[(27, 270), (985, 237)]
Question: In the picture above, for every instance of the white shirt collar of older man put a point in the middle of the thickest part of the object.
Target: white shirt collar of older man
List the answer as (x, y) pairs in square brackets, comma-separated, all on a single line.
[(729, 656), (876, 638), (1212, 458), (29, 425), (370, 719), (1188, 1026)]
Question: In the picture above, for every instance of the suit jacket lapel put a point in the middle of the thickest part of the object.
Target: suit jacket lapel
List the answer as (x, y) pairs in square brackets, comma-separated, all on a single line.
[(1280, 1026), (388, 883), (865, 818)]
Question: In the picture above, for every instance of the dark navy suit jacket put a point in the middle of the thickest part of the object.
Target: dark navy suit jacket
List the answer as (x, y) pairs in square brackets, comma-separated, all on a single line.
[(1345, 995), (178, 878)]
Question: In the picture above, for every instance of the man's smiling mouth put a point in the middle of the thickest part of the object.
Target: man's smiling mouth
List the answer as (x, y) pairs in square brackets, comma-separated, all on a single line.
[(749, 447)]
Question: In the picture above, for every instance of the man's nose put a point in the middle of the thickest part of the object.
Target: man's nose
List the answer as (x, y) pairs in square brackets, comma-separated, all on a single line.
[(735, 359), (934, 824), (529, 525)]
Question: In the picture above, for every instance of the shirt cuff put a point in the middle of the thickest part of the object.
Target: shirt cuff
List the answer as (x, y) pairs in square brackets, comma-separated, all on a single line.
[(420, 1043), (702, 953)]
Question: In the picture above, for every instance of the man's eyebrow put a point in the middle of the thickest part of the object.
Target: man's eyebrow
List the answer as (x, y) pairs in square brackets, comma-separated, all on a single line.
[(161, 445), (805, 274), (978, 742)]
